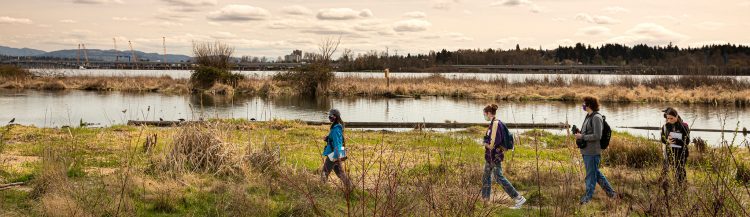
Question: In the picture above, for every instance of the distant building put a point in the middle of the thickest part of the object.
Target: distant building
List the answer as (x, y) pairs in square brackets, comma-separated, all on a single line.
[(295, 57)]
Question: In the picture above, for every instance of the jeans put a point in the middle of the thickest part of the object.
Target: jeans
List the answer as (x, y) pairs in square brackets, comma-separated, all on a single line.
[(487, 181), (594, 176)]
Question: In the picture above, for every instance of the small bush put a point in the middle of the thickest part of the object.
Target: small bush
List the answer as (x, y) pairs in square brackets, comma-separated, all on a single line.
[(626, 150), (310, 79), (743, 173), (199, 148), (204, 77)]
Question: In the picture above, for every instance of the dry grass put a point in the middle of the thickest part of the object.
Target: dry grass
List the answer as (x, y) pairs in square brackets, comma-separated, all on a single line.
[(201, 148), (394, 174), (685, 89)]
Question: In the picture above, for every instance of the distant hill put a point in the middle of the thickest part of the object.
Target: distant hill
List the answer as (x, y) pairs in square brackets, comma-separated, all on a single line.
[(93, 54), (19, 52), (110, 55)]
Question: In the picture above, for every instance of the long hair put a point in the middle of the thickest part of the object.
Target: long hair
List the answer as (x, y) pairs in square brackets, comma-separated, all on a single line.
[(673, 112)]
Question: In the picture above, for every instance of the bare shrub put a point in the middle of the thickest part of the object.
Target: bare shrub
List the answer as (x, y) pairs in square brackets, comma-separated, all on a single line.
[(199, 147)]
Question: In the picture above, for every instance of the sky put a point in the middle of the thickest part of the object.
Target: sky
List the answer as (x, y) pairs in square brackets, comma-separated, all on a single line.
[(275, 28)]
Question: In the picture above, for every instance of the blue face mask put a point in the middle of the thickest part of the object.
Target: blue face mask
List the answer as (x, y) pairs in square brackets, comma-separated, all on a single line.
[(584, 107)]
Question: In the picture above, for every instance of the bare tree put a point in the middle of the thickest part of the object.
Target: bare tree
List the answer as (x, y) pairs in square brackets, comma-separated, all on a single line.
[(215, 54), (327, 48)]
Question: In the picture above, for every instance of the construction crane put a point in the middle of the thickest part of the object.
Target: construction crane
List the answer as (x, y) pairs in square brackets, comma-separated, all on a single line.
[(164, 44), (133, 58), (78, 56), (85, 55), (117, 53)]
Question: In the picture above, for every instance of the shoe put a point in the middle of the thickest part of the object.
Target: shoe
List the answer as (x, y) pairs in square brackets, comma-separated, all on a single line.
[(520, 200), (612, 196)]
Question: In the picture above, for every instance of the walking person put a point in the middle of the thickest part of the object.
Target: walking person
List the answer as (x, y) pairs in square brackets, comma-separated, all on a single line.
[(675, 135), (590, 138), (493, 156), (334, 153)]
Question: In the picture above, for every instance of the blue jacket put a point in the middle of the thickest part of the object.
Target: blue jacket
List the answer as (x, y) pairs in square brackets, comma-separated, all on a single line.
[(335, 141), (494, 155)]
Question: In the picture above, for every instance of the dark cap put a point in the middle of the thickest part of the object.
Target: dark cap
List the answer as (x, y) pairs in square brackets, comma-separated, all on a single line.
[(334, 112)]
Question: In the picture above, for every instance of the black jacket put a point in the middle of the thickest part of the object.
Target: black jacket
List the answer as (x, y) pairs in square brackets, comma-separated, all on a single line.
[(677, 127)]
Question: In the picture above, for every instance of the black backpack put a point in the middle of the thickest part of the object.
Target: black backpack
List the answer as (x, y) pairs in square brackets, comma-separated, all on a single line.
[(606, 133)]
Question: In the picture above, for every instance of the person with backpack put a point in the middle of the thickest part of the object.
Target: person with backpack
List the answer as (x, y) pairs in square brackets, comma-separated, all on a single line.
[(675, 135), (497, 140), (591, 138), (334, 153)]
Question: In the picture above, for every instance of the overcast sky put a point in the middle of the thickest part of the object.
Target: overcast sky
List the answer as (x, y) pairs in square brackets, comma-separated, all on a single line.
[(275, 27)]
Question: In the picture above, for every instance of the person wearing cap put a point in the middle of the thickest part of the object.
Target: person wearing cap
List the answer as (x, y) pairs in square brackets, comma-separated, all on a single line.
[(334, 152), (675, 135)]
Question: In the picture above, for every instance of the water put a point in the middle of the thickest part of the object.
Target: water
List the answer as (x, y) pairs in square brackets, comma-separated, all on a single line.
[(511, 77), (54, 109)]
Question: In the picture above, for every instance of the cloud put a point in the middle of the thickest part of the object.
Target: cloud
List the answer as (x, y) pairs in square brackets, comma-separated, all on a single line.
[(239, 13), (595, 19), (97, 2), (342, 14), (223, 35), (444, 4), (191, 3), (533, 7), (124, 19), (67, 21), (12, 20), (162, 23), (615, 10), (296, 10), (593, 30), (457, 36), (415, 14), (171, 15), (365, 13), (412, 25), (512, 41), (648, 33), (710, 25), (288, 24)]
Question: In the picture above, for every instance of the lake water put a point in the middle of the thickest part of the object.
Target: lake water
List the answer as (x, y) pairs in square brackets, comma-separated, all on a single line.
[(511, 77), (58, 108)]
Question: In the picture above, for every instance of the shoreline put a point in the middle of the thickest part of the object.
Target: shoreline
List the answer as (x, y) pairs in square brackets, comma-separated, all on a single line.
[(684, 90)]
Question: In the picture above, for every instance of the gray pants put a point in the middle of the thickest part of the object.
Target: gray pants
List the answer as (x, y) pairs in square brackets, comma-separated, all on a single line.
[(329, 165)]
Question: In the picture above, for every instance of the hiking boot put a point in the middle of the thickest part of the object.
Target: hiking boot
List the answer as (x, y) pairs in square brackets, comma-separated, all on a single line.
[(520, 200)]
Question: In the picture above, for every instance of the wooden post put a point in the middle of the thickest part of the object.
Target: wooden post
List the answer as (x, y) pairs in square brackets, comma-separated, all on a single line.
[(387, 78)]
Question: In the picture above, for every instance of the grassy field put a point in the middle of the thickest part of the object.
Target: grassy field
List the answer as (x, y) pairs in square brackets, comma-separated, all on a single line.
[(683, 89), (239, 168)]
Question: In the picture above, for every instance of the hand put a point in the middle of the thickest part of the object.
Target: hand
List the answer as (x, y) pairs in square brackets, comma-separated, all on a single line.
[(487, 146), (669, 137), (579, 136), (325, 138), (672, 141)]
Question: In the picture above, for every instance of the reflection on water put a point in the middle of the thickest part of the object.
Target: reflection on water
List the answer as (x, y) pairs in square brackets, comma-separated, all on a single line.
[(52, 109)]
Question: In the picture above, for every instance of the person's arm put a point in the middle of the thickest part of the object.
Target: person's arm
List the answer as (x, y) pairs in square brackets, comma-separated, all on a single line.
[(597, 126), (685, 135), (664, 135)]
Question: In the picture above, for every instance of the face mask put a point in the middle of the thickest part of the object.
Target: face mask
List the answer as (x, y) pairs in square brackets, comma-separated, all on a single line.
[(331, 118), (486, 117), (584, 108)]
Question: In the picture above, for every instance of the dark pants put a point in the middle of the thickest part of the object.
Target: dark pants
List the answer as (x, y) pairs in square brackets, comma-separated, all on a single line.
[(329, 165), (676, 159)]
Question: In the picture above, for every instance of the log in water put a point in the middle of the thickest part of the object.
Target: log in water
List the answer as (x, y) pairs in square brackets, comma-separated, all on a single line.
[(384, 124)]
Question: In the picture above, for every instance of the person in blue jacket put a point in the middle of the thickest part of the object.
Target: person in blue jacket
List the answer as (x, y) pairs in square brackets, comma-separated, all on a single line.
[(334, 153)]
